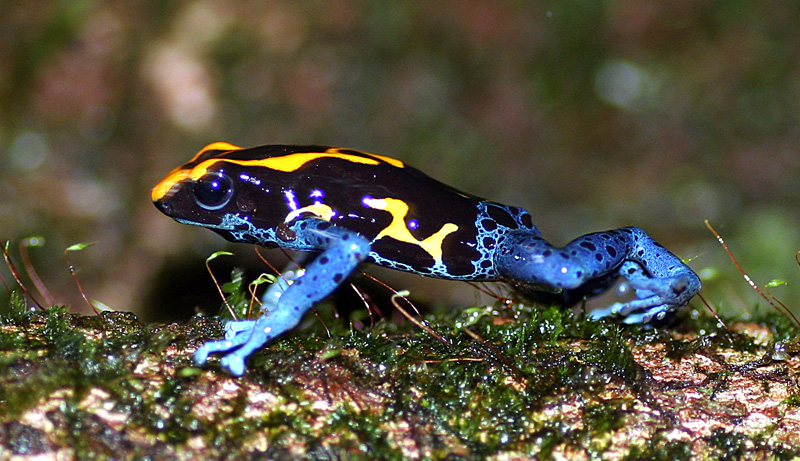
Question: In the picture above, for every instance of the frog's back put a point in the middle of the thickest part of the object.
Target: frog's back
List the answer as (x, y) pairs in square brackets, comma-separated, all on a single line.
[(415, 223)]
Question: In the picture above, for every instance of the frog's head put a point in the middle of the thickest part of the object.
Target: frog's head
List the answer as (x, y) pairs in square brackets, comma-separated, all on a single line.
[(207, 191)]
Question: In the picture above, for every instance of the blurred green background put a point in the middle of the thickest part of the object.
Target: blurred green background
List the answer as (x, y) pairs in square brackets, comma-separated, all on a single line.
[(590, 114)]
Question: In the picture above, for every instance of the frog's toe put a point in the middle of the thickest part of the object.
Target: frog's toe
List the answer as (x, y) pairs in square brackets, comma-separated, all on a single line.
[(655, 313), (645, 317), (236, 327), (609, 311), (233, 363), (236, 334), (235, 351), (638, 310), (201, 354)]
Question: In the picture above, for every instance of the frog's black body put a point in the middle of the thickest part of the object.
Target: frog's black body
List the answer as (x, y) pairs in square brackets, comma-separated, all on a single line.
[(432, 206), (355, 207)]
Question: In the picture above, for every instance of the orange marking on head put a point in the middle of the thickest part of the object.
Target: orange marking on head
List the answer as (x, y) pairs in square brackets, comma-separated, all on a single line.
[(179, 174)]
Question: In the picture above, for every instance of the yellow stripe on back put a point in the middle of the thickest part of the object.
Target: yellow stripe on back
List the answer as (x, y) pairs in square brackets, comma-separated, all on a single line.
[(292, 162), (223, 146), (286, 163)]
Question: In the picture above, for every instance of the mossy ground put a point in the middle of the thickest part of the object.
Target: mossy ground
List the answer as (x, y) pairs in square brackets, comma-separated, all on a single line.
[(509, 382)]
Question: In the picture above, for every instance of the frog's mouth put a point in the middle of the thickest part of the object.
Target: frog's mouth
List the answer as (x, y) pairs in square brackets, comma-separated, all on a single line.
[(223, 227), (181, 205)]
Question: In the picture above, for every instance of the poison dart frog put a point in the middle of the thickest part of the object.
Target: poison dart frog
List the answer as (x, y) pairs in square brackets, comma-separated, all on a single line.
[(353, 207)]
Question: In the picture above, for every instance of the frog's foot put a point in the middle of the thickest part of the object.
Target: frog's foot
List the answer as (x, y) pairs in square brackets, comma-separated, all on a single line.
[(243, 337), (240, 335), (287, 300), (656, 297), (247, 333)]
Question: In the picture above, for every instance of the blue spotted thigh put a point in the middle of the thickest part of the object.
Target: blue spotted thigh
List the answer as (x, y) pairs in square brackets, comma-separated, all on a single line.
[(661, 281)]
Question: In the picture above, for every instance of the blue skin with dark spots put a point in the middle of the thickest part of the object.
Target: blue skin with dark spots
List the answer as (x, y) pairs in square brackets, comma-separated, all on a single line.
[(353, 207), (344, 250)]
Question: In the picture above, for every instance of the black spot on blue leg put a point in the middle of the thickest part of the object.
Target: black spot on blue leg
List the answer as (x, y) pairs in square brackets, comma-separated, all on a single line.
[(527, 221)]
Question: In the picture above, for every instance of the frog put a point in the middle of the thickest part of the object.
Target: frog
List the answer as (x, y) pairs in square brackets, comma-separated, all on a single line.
[(349, 207)]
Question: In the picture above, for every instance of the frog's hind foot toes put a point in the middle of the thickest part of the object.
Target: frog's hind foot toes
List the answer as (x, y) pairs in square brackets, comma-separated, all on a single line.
[(200, 356), (242, 337), (635, 311), (657, 298), (233, 363), (233, 360)]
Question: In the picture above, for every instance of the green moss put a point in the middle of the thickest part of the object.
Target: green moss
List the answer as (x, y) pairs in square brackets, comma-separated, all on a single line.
[(730, 445), (21, 439), (497, 384), (487, 393), (658, 448)]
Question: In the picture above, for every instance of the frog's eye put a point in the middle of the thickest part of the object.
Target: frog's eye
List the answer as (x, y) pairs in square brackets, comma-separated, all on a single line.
[(213, 191)]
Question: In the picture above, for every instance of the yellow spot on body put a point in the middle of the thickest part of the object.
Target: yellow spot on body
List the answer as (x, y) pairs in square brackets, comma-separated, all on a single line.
[(398, 229), (319, 210)]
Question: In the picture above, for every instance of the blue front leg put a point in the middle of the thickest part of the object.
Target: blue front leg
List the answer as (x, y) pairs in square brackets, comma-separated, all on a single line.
[(286, 303), (663, 283)]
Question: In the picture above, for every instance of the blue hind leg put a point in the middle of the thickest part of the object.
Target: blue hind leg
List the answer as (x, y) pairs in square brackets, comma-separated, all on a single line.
[(662, 282), (233, 328), (290, 298)]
